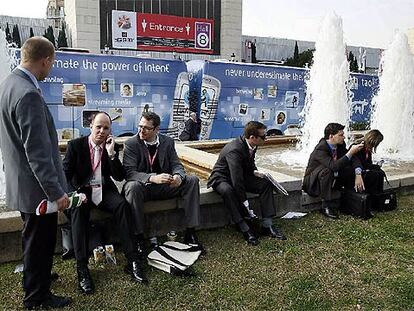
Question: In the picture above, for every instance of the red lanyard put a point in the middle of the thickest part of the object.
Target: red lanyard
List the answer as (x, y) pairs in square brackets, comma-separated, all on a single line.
[(152, 159), (366, 154)]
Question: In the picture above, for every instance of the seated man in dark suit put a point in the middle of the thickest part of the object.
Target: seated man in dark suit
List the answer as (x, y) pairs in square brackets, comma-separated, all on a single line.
[(89, 164), (331, 166), (154, 172), (235, 173)]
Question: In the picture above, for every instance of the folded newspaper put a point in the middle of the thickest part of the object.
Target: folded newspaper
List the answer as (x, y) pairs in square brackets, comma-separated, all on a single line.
[(276, 184)]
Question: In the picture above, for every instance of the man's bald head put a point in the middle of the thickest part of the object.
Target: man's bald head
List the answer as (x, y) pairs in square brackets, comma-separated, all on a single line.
[(36, 48)]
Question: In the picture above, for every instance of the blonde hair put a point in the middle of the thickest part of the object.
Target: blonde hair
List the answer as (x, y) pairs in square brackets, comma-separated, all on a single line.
[(371, 139)]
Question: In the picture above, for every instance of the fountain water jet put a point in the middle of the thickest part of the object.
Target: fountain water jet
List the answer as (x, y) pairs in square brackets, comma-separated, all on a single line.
[(394, 105), (5, 65), (327, 95)]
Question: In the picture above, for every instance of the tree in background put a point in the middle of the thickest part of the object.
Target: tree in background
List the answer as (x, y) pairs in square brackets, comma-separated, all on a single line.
[(353, 62), (49, 35), (62, 40), (31, 33), (8, 35), (296, 53), (16, 36), (302, 59)]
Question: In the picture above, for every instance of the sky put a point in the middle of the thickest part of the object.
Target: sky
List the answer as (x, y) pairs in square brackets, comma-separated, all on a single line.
[(370, 23)]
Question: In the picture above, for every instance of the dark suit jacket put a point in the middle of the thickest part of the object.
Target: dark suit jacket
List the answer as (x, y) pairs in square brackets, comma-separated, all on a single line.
[(233, 165), (321, 158), (366, 162), (136, 160), (78, 167), (29, 145), (190, 131)]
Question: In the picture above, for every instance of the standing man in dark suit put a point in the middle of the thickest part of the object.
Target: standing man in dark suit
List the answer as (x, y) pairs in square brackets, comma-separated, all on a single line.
[(235, 173), (33, 168), (89, 164), (190, 131), (154, 172), (330, 166)]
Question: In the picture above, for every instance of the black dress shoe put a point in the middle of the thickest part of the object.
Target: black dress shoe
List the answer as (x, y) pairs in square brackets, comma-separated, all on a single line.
[(52, 302), (273, 232), (54, 276), (136, 271), (329, 213), (250, 238), (190, 238), (85, 282)]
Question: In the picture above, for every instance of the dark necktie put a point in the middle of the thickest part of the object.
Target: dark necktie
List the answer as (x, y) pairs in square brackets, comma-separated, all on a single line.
[(334, 155)]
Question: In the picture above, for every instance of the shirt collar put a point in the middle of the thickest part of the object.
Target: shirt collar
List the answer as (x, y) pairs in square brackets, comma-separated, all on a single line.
[(31, 76), (250, 147), (156, 142), (93, 144), (331, 146)]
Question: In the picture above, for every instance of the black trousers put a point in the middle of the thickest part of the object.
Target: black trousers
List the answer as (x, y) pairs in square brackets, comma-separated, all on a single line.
[(373, 180), (38, 241), (113, 203), (253, 184), (137, 193)]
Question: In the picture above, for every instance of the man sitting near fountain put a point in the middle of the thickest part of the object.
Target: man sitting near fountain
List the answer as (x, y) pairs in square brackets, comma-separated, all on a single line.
[(89, 164), (235, 173), (154, 172), (329, 166)]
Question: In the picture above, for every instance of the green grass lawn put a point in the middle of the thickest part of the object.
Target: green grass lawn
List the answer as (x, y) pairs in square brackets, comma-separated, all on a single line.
[(345, 264)]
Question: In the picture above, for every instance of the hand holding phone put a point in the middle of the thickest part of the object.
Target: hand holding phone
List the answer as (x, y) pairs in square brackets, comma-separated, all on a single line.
[(110, 146)]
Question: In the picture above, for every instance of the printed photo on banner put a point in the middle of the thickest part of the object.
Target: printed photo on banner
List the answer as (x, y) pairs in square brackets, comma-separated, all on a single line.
[(87, 116), (74, 94), (258, 93), (243, 109), (107, 85), (264, 115), (126, 89), (116, 114), (272, 91), (291, 99), (281, 117)]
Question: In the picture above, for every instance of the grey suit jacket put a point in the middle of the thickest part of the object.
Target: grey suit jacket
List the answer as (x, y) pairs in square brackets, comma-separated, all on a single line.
[(29, 145), (136, 160)]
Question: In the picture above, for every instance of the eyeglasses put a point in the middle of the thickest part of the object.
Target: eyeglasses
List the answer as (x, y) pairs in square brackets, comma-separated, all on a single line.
[(146, 128), (262, 136)]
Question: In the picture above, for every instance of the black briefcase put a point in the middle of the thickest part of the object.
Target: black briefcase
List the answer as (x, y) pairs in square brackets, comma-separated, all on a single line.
[(384, 201), (356, 204)]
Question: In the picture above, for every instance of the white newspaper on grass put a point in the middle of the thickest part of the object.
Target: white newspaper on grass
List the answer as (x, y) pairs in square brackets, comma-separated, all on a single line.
[(276, 184)]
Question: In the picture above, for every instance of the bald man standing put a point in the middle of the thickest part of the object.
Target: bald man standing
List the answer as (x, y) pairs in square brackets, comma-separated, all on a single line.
[(33, 168)]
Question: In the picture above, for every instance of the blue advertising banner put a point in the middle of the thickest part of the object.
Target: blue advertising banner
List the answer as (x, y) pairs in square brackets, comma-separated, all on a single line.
[(81, 84), (231, 94)]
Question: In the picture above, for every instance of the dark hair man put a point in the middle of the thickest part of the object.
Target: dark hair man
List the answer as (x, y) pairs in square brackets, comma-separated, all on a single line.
[(235, 173), (190, 130), (154, 172), (33, 168), (328, 167), (89, 164)]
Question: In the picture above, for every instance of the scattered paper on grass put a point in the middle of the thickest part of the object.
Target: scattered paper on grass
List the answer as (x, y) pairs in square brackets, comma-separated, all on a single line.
[(292, 215), (19, 268)]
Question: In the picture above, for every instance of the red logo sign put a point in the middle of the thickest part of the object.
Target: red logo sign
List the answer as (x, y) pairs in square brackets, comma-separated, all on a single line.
[(157, 32)]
